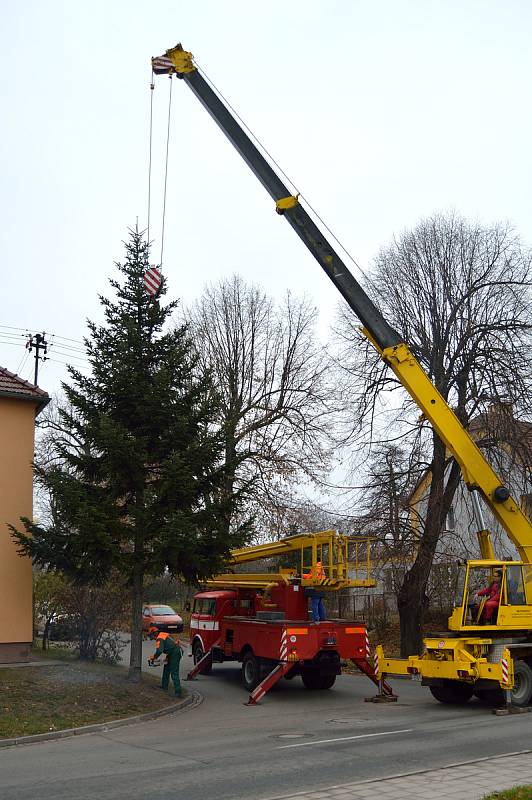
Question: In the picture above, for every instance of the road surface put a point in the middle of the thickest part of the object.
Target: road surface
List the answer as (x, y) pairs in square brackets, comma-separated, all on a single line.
[(293, 741)]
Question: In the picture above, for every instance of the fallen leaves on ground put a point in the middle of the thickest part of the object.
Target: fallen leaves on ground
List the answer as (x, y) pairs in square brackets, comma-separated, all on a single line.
[(39, 699)]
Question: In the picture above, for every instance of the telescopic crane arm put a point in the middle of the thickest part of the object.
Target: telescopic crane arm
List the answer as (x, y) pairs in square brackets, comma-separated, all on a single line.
[(477, 472), (345, 561)]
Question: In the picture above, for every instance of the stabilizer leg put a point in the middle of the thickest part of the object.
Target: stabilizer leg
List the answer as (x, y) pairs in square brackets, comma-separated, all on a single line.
[(385, 693), (270, 680)]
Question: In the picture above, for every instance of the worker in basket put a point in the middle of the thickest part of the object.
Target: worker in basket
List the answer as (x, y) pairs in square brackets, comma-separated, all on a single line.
[(317, 605), (493, 595), (165, 645)]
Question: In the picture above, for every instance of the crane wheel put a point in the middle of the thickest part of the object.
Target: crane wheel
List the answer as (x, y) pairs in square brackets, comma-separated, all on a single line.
[(522, 691), (452, 692), (521, 694)]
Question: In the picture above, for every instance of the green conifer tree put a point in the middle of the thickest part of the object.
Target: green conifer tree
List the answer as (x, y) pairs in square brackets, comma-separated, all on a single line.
[(138, 484)]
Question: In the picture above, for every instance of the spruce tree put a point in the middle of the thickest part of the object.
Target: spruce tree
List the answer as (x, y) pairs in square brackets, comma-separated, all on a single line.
[(138, 484)]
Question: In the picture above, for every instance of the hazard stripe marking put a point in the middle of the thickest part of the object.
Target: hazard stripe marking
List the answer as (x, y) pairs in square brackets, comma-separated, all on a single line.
[(284, 647), (504, 667)]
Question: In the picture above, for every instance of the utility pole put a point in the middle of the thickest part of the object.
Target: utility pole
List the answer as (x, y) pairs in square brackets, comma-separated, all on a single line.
[(37, 341)]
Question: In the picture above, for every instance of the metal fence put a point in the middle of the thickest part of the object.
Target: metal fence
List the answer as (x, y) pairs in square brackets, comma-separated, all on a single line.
[(371, 607)]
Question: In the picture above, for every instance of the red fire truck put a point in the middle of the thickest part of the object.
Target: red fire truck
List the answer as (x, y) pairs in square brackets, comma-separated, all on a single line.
[(262, 620)]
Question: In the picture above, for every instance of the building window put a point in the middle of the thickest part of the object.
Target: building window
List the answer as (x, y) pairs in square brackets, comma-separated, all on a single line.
[(451, 520)]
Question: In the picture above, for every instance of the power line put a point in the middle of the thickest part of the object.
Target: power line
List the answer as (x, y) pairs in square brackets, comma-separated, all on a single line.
[(22, 362), (12, 335), (67, 346), (27, 329), (13, 328), (69, 364), (67, 355), (11, 344)]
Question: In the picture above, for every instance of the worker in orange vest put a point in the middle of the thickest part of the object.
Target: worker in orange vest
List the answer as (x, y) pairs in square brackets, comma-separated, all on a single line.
[(317, 606), (165, 645)]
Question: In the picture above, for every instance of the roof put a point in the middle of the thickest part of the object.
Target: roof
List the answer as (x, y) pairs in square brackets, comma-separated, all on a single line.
[(13, 386), (498, 423)]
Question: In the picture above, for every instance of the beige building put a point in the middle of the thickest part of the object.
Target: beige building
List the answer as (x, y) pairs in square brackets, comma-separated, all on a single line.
[(20, 402)]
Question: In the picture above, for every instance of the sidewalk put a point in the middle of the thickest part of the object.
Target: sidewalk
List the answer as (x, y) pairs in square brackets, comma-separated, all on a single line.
[(473, 779)]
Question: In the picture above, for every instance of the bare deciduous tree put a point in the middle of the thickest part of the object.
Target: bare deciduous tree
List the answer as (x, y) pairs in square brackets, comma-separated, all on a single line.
[(386, 510), (272, 375), (459, 295)]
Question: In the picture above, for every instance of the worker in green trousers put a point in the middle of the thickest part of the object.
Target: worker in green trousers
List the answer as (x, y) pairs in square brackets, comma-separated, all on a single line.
[(165, 645)]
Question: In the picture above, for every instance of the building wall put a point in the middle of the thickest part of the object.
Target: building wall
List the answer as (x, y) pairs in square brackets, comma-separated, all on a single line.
[(17, 426), (460, 539)]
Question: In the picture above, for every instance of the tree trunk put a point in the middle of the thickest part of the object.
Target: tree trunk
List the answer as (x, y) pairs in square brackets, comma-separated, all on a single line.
[(46, 633), (412, 600), (412, 605), (137, 588), (230, 464)]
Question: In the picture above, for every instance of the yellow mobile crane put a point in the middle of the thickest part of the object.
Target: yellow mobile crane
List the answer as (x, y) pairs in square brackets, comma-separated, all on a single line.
[(471, 658)]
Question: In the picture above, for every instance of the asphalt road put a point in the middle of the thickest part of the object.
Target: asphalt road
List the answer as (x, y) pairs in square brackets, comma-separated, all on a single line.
[(295, 740)]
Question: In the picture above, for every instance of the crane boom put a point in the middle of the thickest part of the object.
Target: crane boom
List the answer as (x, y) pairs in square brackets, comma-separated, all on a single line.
[(477, 472)]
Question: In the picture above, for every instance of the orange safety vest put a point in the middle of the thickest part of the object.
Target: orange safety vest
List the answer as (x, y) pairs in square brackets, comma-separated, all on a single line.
[(317, 572), (161, 637)]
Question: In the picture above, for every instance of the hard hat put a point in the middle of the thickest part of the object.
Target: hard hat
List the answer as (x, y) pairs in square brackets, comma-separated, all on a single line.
[(153, 632)]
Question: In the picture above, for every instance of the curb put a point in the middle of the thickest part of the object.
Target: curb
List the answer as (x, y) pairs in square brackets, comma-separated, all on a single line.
[(194, 699), (346, 786)]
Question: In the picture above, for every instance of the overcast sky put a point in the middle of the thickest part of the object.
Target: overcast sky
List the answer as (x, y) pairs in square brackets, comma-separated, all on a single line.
[(380, 112)]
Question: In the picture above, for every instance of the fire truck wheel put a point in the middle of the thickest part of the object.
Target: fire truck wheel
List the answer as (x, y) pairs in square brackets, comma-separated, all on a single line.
[(250, 671), (311, 680), (452, 692), (197, 655)]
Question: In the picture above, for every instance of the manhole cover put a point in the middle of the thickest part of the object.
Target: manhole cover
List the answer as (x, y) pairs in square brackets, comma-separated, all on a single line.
[(294, 736)]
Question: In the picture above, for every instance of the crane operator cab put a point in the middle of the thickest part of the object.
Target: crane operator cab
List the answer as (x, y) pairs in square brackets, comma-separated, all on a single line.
[(494, 594)]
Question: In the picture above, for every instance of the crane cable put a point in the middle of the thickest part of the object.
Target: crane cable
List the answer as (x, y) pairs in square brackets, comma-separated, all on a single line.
[(152, 87), (166, 167), (278, 167)]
